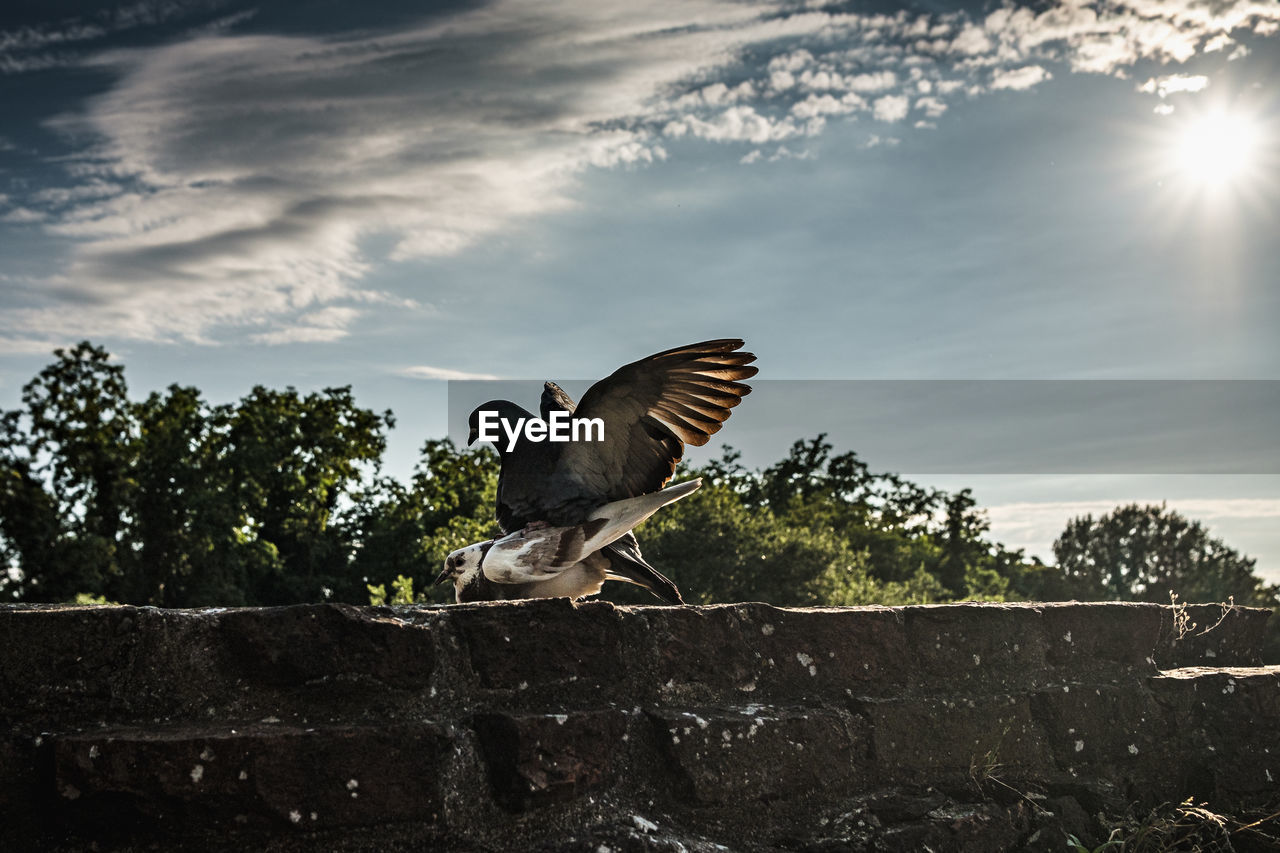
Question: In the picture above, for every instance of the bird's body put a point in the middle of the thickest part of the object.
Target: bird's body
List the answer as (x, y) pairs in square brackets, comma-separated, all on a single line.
[(543, 561), (583, 579), (650, 409)]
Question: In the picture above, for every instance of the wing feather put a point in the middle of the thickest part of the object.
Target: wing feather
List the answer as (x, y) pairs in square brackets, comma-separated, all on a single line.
[(651, 409)]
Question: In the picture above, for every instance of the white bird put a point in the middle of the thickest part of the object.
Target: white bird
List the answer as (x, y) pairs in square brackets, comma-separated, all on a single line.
[(540, 561)]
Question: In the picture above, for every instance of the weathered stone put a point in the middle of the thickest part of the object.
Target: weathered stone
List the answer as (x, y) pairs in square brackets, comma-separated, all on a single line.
[(961, 647), (867, 728), (543, 758), (543, 643), (763, 653), (1089, 639), (1107, 732), (101, 660), (127, 665), (1223, 757), (921, 738), (329, 644), (23, 780), (1210, 634), (752, 753), (296, 778)]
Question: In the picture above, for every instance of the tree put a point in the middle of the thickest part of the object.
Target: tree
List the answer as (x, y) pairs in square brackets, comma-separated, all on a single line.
[(172, 501), (1141, 553), (290, 459), (66, 470), (401, 531)]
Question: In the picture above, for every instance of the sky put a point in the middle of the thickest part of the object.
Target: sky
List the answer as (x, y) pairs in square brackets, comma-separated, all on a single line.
[(395, 195)]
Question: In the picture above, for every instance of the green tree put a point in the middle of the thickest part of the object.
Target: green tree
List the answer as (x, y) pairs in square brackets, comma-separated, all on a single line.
[(290, 459), (406, 531), (66, 466), (172, 501), (1140, 553)]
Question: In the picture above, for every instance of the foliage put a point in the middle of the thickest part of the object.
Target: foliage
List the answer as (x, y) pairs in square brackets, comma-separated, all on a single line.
[(171, 501), (401, 593), (1140, 553), (1186, 826), (1151, 553)]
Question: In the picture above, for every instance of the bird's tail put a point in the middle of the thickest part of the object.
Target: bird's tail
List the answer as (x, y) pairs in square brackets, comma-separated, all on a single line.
[(613, 520)]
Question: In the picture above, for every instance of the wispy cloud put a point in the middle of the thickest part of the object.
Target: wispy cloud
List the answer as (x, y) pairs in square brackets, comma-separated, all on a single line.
[(232, 180), (22, 216), (322, 326), (28, 48), (1019, 78), (426, 371)]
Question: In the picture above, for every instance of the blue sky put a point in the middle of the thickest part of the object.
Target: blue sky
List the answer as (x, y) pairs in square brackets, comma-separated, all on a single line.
[(383, 196)]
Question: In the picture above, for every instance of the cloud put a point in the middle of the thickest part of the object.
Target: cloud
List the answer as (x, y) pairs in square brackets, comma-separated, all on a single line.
[(65, 195), (426, 371), (891, 108), (1174, 83), (1019, 78), (231, 183), (322, 326), (22, 216), (1034, 525), (876, 141), (827, 105), (30, 346), (782, 152), (736, 124), (37, 48), (300, 335), (931, 106)]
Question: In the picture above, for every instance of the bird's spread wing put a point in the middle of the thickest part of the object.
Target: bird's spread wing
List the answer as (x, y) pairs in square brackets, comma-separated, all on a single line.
[(651, 409)]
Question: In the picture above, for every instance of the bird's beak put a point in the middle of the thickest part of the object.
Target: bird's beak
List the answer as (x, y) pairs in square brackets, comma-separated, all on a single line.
[(442, 577)]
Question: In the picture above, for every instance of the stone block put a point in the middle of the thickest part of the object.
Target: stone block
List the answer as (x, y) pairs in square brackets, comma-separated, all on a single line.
[(329, 643), (1221, 636), (1084, 641), (547, 646), (536, 759), (1228, 732), (933, 738), (958, 649), (755, 753), (759, 653), (1110, 734), (261, 774)]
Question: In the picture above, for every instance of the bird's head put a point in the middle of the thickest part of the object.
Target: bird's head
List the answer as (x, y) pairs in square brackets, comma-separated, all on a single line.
[(463, 566), (493, 413)]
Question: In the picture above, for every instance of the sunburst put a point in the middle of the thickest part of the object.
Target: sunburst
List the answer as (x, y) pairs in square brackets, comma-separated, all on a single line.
[(1217, 150)]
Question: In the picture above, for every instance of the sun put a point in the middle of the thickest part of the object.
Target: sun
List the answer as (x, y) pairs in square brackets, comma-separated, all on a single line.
[(1216, 150)]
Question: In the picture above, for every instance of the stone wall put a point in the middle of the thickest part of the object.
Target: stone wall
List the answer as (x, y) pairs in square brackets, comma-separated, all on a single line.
[(547, 726)]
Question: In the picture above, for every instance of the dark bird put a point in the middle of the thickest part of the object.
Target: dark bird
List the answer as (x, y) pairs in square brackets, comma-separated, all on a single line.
[(546, 562), (650, 410)]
